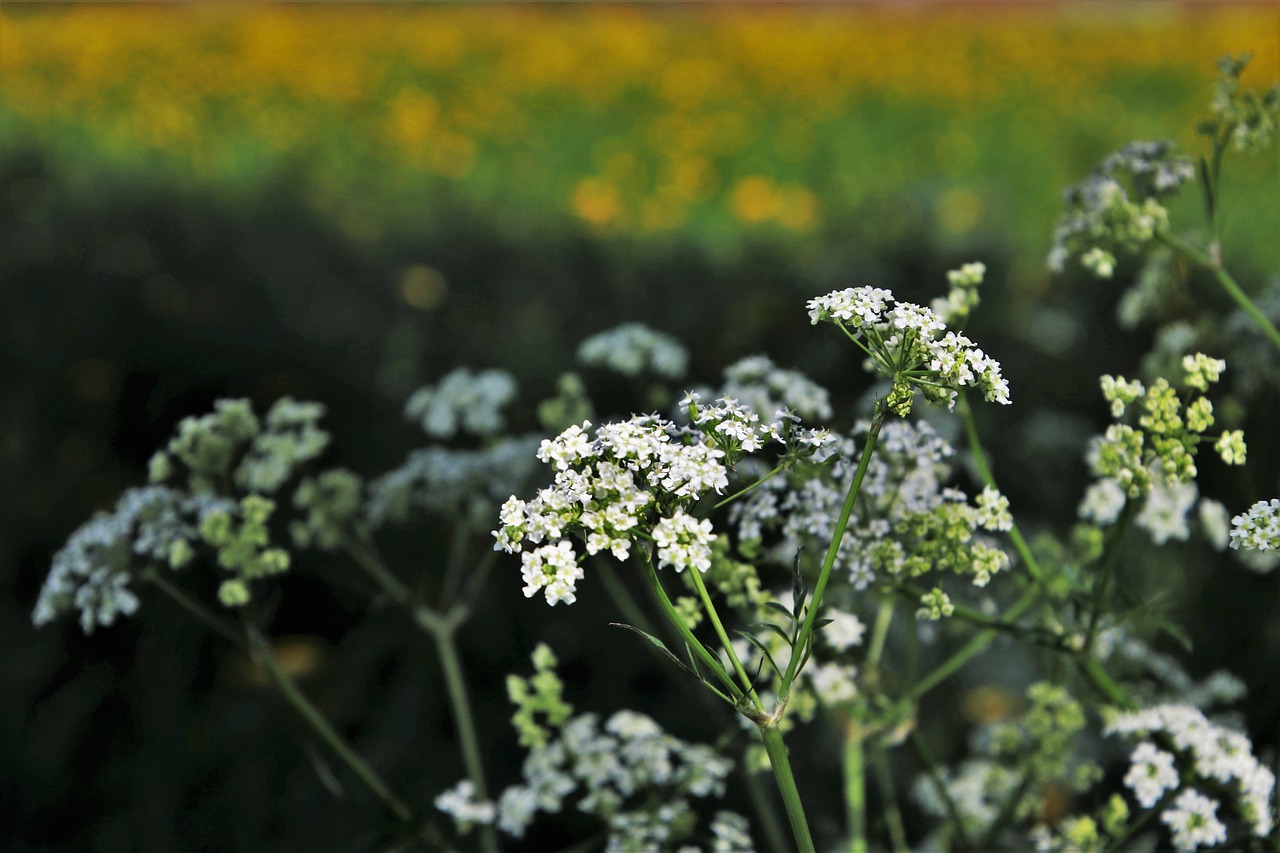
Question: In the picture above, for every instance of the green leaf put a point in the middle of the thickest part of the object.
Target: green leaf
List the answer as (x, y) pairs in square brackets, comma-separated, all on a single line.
[(764, 650), (778, 606), (769, 626)]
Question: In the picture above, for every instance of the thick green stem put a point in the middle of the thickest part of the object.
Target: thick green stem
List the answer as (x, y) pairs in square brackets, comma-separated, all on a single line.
[(464, 720), (1214, 264), (313, 717), (781, 765), (855, 787), (828, 563), (765, 810)]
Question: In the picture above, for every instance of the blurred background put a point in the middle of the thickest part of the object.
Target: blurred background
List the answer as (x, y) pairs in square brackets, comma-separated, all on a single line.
[(342, 202)]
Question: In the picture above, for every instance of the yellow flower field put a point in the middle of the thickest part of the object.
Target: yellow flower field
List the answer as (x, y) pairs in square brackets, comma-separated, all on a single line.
[(629, 120)]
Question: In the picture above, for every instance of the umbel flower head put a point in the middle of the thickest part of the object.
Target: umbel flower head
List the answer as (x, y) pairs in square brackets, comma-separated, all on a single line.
[(634, 483), (911, 345)]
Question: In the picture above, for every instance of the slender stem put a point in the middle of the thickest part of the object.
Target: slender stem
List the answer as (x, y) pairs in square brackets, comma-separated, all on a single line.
[(781, 765), (214, 622), (1103, 584), (806, 631), (984, 470), (855, 792), (748, 489), (971, 649), (313, 717), (1102, 680), (695, 645), (457, 551), (893, 815), (925, 755), (367, 559), (621, 598), (1225, 279), (883, 617), (464, 720), (747, 686)]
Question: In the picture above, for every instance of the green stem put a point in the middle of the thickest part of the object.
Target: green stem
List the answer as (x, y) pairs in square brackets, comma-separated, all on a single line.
[(984, 470), (1102, 586), (781, 765), (463, 719), (855, 793), (748, 688), (925, 755), (215, 623), (1225, 279), (313, 717), (971, 649), (765, 809), (1106, 685), (806, 631), (694, 644), (749, 488), (893, 815), (365, 557), (457, 551), (883, 617)]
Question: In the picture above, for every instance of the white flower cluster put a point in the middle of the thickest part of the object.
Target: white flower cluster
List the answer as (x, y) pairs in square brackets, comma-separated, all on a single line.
[(757, 383), (633, 348), (911, 344), (451, 482), (606, 489), (92, 571), (463, 401), (460, 803), (1259, 528), (1214, 753), (844, 631), (620, 769), (1100, 216)]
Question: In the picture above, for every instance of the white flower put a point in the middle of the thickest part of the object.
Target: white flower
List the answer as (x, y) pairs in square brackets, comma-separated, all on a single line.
[(684, 542), (1259, 528), (461, 804), (1215, 522), (844, 631), (993, 510), (1102, 502), (1164, 514), (1193, 821), (1151, 774), (553, 568)]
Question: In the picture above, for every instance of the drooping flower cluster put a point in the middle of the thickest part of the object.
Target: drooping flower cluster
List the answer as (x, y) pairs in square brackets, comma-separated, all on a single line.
[(628, 772), (633, 348), (1101, 216), (1217, 758), (1248, 119), (463, 401), (92, 572), (911, 345)]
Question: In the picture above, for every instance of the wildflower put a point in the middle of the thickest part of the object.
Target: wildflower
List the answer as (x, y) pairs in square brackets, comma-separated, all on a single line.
[(1151, 773), (633, 348), (844, 631), (911, 345), (1259, 528), (463, 401), (1193, 821)]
